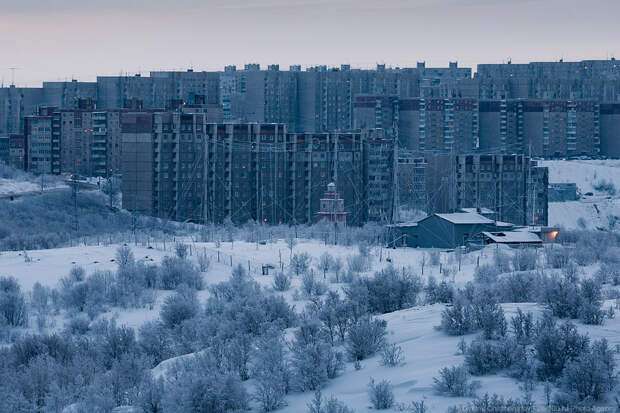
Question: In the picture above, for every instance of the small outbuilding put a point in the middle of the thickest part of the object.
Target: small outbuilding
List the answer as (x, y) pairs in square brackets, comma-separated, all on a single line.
[(444, 230), (547, 235)]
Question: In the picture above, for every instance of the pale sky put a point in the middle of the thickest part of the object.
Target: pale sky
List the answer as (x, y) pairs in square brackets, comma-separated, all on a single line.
[(65, 39)]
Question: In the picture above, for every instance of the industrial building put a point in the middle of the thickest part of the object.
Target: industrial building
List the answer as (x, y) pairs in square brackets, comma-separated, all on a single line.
[(450, 230)]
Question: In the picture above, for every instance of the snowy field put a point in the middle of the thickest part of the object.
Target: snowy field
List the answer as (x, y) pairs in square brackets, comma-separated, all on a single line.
[(425, 348)]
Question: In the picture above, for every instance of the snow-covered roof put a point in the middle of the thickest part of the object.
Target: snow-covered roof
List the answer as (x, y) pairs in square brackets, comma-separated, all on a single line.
[(465, 218), (537, 229), (503, 224), (476, 211), (513, 237), (404, 224)]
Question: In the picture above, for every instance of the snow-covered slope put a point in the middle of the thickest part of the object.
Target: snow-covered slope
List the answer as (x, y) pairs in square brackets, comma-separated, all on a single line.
[(15, 186), (585, 173), (10, 186), (589, 212), (595, 213), (426, 350)]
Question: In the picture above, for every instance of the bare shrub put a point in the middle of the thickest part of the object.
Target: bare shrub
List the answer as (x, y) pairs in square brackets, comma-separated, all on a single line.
[(381, 394), (501, 260), (325, 263), (525, 259), (486, 274), (557, 256), (458, 319), (311, 287), (281, 281), (203, 262), (300, 263), (331, 405), (357, 263), (434, 258), (180, 250), (454, 381), (365, 338), (605, 186), (392, 355)]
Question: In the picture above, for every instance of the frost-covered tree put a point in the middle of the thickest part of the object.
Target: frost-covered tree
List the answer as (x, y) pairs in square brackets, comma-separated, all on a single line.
[(556, 345), (486, 274), (523, 327), (336, 268), (489, 315), (325, 263), (124, 257), (175, 271), (314, 360), (590, 311), (270, 371), (13, 309), (300, 263), (180, 306), (438, 292), (524, 259), (291, 242), (591, 374), (458, 319), (561, 296)]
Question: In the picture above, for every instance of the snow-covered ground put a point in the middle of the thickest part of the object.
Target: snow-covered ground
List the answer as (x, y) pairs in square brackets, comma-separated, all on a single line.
[(13, 186), (426, 349), (10, 186), (585, 173), (596, 213), (589, 212)]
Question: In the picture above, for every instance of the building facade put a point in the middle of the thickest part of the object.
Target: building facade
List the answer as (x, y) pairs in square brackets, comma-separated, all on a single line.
[(178, 166)]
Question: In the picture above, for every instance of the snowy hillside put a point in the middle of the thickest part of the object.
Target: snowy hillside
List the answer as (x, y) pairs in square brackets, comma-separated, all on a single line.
[(598, 208), (425, 348), (14, 181), (585, 173)]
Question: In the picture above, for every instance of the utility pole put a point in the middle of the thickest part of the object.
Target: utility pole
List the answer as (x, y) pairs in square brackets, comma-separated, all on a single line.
[(395, 197), (74, 191)]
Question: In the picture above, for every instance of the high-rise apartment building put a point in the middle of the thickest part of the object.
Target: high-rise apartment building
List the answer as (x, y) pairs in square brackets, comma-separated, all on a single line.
[(585, 80), (510, 185), (610, 129), (544, 128), (40, 147), (178, 166), (422, 124)]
